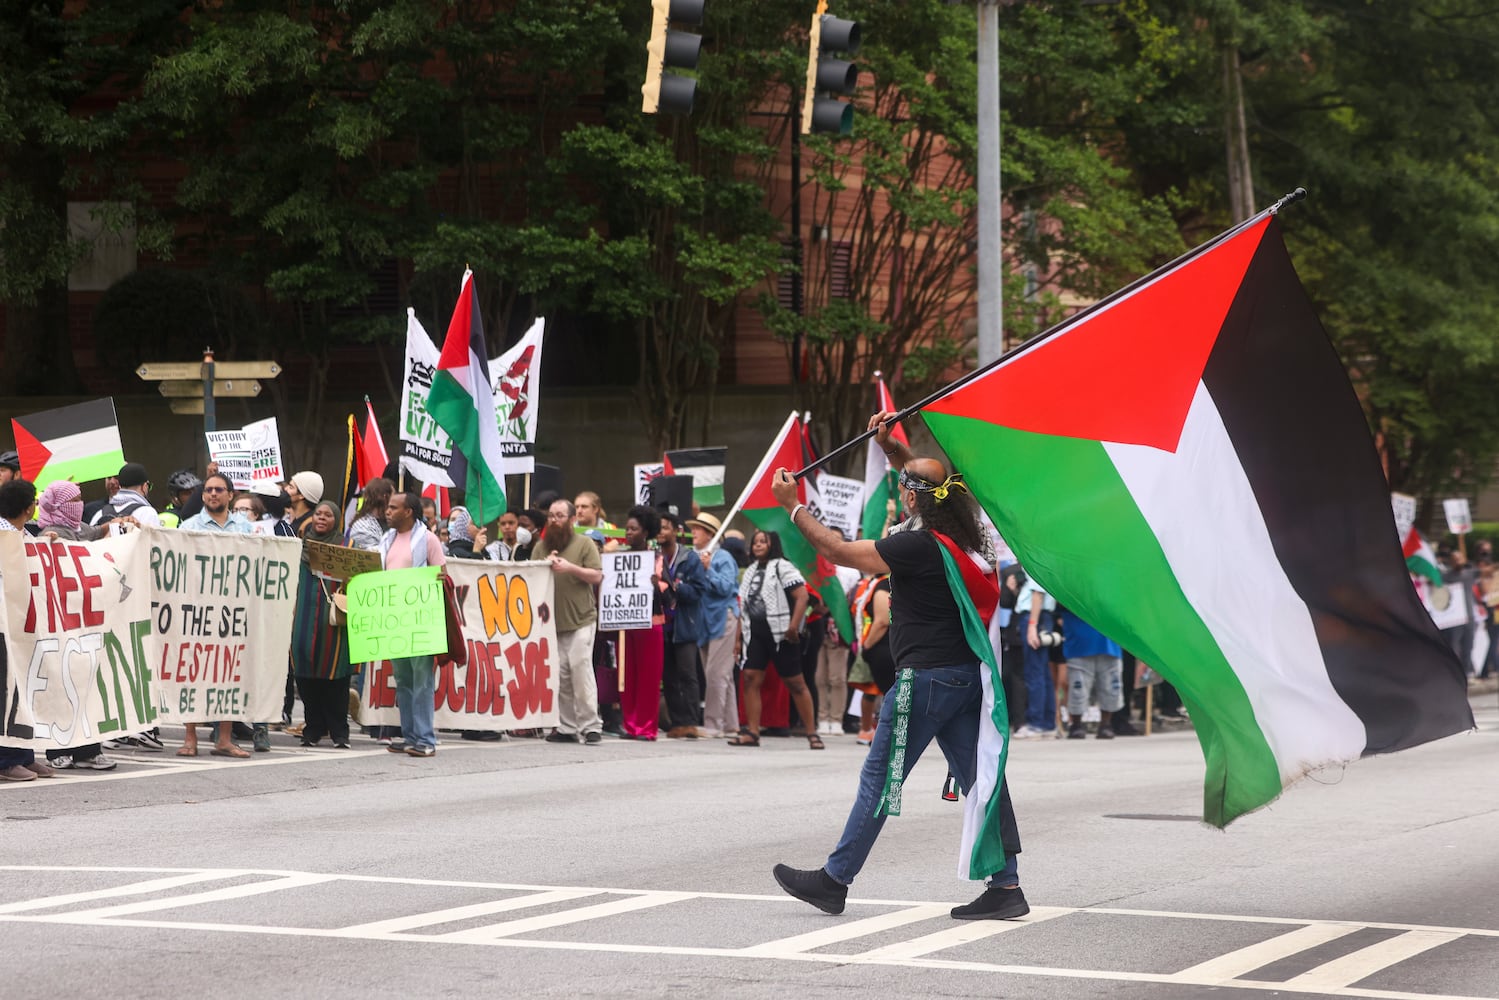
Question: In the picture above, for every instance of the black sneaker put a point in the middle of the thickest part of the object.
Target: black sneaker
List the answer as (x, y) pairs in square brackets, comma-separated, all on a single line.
[(1104, 733), (994, 904), (593, 739), (1123, 727), (1077, 731), (561, 738), (818, 888)]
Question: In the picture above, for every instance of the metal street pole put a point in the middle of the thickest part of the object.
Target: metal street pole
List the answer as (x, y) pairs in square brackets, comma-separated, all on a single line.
[(990, 277)]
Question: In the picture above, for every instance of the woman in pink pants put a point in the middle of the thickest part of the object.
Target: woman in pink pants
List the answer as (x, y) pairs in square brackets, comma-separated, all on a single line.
[(644, 648)]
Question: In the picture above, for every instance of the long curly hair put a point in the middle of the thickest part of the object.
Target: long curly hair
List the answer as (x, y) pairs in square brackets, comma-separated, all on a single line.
[(957, 517)]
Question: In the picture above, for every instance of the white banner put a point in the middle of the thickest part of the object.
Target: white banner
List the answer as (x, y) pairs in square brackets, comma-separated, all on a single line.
[(510, 635), (644, 474), (842, 503), (516, 377), (426, 449), (222, 606), (625, 594), (109, 638)]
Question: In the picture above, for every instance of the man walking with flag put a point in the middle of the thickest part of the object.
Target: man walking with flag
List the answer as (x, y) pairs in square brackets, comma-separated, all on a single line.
[(948, 690)]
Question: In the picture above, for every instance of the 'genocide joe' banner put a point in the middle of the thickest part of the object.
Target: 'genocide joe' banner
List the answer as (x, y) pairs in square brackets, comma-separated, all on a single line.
[(109, 638), (510, 636)]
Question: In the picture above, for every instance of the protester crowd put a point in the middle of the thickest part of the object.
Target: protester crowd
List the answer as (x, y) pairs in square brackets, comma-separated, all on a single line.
[(740, 646)]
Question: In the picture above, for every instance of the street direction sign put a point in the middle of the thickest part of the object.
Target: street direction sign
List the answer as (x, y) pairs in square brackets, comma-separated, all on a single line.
[(158, 371), (155, 371), (188, 407), (221, 388), (245, 369)]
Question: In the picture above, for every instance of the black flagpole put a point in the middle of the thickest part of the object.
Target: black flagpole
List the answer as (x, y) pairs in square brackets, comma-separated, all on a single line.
[(1066, 324)]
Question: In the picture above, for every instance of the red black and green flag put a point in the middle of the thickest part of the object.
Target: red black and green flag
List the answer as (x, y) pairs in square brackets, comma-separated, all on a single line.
[(1187, 467), (79, 443), (760, 505)]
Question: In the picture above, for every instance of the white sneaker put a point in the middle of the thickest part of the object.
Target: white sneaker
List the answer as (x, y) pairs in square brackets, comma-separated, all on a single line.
[(1026, 733), (96, 763), (63, 763)]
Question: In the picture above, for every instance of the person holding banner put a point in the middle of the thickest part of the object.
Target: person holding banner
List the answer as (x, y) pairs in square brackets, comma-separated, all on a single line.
[(319, 643), (577, 569), (406, 545), (365, 534), (216, 515), (640, 702)]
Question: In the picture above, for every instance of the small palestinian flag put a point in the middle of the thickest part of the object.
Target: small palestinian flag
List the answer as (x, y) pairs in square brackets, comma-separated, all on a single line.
[(879, 477), (759, 505), (1186, 466), (1419, 559), (705, 466), (79, 442)]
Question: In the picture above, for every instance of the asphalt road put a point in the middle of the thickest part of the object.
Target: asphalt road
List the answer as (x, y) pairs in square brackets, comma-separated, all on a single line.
[(638, 870)]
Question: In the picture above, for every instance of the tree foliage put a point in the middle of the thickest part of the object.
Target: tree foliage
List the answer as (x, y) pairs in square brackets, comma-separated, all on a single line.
[(323, 144)]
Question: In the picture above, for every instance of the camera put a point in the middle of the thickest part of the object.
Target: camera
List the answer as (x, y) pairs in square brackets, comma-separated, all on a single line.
[(1049, 638)]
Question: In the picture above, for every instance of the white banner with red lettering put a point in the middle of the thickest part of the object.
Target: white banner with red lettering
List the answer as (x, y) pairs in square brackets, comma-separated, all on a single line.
[(510, 637), (108, 638)]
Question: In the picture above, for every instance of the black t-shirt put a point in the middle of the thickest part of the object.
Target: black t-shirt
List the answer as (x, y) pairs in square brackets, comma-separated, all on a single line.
[(925, 628)]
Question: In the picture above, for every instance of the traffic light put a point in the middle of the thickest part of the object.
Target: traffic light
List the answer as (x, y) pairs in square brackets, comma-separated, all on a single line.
[(828, 77), (669, 47)]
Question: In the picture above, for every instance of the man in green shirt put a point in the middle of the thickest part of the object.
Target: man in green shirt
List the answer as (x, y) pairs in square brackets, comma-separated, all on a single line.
[(576, 570)]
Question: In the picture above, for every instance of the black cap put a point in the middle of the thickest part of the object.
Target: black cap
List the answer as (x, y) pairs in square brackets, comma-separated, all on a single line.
[(132, 474), (11, 460)]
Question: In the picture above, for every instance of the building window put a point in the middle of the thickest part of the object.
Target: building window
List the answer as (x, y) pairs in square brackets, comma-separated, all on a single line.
[(786, 280), (840, 256)]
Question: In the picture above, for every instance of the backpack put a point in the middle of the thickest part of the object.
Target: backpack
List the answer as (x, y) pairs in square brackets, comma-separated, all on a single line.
[(108, 513)]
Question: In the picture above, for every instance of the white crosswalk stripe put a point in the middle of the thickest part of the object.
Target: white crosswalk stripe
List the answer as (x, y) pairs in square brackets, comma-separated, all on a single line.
[(848, 940)]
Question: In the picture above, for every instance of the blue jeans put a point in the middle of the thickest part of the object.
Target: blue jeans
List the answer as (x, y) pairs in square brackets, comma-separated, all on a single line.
[(416, 689), (945, 706), (1040, 688)]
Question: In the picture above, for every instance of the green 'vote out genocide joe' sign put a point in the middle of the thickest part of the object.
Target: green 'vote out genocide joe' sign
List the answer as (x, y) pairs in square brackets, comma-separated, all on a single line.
[(396, 613)]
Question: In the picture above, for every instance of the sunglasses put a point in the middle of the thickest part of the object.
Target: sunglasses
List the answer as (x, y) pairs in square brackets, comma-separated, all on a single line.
[(214, 489)]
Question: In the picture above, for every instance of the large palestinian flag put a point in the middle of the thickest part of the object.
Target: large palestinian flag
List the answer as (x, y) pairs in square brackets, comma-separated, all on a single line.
[(759, 505), (462, 403), (1187, 467), (79, 442)]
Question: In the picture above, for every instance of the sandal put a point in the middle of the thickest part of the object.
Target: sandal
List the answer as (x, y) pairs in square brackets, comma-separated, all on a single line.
[(745, 739), (814, 742), (187, 751), (229, 751)]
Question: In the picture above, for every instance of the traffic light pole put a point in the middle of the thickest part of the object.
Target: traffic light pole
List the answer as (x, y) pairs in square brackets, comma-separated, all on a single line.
[(990, 263), (798, 251)]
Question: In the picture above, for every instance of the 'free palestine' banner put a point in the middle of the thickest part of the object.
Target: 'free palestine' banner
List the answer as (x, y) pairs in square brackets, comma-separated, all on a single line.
[(109, 638), (510, 637)]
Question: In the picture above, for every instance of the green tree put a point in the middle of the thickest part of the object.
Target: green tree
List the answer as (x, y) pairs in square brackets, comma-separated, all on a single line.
[(66, 122), (1076, 222), (1384, 112)]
